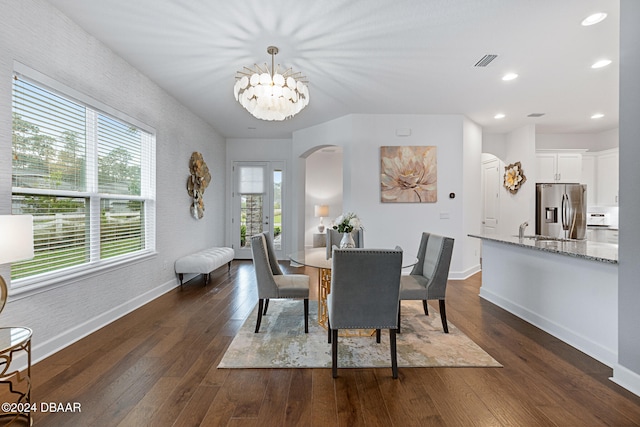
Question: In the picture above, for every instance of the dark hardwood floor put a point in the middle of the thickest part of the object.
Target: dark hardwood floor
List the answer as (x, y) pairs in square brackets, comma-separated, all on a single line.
[(157, 367)]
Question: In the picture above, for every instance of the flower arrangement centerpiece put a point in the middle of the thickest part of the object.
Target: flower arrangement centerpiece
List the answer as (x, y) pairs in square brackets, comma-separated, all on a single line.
[(345, 224)]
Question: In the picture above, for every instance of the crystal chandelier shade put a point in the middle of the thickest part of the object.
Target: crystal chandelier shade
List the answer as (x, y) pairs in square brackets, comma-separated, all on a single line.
[(271, 94)]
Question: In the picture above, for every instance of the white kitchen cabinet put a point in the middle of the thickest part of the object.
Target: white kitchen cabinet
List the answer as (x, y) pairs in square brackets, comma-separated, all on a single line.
[(589, 177), (607, 178), (602, 235), (559, 166)]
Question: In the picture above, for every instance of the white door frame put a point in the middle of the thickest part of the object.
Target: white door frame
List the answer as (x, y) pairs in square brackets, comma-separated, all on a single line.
[(243, 251)]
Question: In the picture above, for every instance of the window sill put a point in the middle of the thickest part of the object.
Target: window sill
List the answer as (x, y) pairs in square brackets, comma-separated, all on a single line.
[(33, 286)]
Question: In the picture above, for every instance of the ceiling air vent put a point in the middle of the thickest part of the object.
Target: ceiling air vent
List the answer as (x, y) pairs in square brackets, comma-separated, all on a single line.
[(485, 60), (536, 115)]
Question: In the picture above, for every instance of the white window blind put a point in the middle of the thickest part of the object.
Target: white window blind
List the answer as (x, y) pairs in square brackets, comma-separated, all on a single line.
[(85, 176), (251, 180)]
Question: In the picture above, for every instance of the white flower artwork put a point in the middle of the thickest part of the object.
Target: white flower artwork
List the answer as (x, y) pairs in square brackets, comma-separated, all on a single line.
[(408, 174), (514, 177)]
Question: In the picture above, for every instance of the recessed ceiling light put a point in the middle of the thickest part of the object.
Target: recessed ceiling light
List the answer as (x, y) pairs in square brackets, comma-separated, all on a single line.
[(594, 19), (509, 76), (597, 116), (601, 63), (499, 116)]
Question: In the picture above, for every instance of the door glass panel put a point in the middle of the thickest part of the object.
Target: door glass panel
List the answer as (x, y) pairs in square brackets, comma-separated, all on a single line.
[(251, 211), (277, 209)]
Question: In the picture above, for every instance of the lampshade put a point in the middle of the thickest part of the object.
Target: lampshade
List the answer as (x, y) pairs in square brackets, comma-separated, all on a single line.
[(16, 238), (16, 244), (271, 94), (321, 211)]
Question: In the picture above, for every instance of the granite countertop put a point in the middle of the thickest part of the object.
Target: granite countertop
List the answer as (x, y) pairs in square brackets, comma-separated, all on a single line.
[(595, 251)]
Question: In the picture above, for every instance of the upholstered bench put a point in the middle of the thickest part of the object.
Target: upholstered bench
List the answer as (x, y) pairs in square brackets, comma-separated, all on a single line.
[(204, 262)]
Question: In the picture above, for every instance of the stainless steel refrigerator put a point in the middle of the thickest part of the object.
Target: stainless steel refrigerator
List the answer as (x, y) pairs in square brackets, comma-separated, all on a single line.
[(561, 210)]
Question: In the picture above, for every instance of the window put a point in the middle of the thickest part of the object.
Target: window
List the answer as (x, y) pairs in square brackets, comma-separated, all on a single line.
[(87, 175)]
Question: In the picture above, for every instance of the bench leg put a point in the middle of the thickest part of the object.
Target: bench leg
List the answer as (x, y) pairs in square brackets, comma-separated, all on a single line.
[(229, 263), (180, 276)]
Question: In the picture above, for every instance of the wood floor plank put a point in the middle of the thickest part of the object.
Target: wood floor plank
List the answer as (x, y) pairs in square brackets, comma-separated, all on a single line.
[(157, 366), (273, 408), (348, 399), (149, 404), (374, 410), (299, 403), (415, 407), (324, 411)]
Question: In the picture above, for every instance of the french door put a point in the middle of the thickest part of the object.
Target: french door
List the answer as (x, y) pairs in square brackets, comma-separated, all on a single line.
[(257, 201)]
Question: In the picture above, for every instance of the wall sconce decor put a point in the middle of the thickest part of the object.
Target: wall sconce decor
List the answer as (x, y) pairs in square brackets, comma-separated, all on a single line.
[(514, 177), (197, 183)]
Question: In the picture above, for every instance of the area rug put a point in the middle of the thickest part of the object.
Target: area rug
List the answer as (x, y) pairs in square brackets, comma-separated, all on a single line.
[(282, 343)]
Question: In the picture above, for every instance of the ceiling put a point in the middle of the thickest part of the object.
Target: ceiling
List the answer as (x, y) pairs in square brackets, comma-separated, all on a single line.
[(374, 56)]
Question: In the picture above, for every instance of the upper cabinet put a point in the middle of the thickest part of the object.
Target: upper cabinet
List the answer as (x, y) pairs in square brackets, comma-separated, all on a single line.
[(559, 165), (607, 177), (589, 166)]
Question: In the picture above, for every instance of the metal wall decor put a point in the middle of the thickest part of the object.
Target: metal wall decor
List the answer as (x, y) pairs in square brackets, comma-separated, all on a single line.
[(514, 177), (197, 183)]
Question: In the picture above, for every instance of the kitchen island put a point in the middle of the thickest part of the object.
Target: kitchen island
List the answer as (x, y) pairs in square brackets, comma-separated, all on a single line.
[(566, 288)]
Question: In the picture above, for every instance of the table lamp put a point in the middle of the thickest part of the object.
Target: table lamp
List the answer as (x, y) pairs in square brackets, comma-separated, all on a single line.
[(16, 244), (321, 211)]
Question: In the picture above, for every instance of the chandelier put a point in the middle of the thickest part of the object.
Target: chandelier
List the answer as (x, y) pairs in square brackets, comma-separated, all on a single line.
[(271, 94)]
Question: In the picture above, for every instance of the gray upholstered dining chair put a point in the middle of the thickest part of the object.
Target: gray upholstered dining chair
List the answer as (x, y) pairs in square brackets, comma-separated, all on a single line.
[(334, 237), (365, 288), (272, 283), (428, 278)]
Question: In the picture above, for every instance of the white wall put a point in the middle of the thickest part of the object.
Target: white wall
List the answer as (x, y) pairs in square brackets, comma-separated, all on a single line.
[(39, 36), (306, 142), (388, 224), (517, 146), (323, 187), (472, 196)]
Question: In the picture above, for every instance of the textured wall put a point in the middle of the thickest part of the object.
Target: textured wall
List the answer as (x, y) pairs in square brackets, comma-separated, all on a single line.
[(40, 37)]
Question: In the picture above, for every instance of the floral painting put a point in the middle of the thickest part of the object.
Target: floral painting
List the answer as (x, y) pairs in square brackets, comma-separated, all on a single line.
[(408, 174)]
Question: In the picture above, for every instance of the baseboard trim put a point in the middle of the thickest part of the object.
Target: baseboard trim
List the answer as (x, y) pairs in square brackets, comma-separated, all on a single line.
[(602, 354), (626, 378), (465, 274)]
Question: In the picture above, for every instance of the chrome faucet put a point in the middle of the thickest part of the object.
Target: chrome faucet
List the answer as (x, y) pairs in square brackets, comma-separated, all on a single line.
[(522, 227)]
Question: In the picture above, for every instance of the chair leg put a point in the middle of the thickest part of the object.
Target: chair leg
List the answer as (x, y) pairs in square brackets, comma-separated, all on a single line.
[(399, 309), (443, 317), (306, 315), (266, 306), (425, 307), (260, 302), (334, 353), (378, 334), (394, 353), (328, 331)]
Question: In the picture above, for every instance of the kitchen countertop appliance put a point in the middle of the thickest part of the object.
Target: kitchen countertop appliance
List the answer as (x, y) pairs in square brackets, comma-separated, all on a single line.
[(598, 219), (561, 210)]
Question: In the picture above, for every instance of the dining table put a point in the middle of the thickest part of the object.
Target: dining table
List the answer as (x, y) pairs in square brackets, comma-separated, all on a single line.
[(317, 258)]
